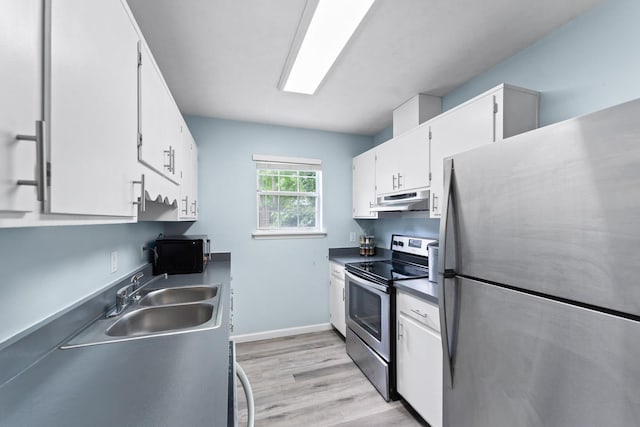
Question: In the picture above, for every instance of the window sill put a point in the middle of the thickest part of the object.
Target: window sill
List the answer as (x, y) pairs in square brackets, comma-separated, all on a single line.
[(283, 234)]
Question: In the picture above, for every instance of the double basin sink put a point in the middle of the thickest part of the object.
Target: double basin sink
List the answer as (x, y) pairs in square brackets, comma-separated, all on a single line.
[(158, 312)]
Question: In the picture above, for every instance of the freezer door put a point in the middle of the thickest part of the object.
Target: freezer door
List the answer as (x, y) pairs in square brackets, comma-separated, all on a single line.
[(524, 361), (555, 210)]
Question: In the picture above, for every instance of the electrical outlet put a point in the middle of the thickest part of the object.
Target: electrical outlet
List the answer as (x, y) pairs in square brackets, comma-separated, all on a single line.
[(114, 261), (352, 236)]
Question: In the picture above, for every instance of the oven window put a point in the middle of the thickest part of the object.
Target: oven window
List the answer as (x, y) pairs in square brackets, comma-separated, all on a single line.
[(365, 308)]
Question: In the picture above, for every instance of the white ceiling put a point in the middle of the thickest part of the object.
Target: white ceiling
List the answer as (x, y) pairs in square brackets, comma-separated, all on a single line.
[(223, 58)]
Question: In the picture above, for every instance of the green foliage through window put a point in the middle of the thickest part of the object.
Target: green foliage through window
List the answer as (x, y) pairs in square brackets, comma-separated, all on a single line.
[(288, 199)]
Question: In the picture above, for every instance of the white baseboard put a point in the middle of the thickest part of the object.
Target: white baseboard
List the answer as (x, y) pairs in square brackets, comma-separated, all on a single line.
[(278, 333)]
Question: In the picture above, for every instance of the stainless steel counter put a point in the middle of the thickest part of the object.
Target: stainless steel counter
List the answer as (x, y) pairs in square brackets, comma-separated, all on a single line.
[(173, 380)]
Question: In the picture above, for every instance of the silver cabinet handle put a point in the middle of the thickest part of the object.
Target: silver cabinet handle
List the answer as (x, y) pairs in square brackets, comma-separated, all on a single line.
[(342, 294), (394, 181), (41, 163), (194, 207), (399, 176), (425, 315), (173, 160), (400, 330), (185, 211), (434, 204), (169, 158), (141, 202)]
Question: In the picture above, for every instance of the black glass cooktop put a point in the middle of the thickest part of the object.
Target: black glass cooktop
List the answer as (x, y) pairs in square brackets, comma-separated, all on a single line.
[(388, 270)]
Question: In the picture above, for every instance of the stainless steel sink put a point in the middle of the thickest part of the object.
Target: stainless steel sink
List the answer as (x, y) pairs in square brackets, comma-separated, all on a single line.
[(179, 295), (152, 320), (161, 312)]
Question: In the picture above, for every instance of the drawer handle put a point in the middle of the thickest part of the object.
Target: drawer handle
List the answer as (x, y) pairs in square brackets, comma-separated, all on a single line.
[(425, 315)]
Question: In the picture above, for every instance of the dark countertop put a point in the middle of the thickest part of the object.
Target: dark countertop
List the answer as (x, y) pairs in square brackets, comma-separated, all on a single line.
[(347, 255), (422, 288), (173, 380)]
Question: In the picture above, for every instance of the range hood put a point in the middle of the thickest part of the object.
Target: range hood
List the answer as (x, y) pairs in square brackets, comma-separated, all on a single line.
[(409, 201)]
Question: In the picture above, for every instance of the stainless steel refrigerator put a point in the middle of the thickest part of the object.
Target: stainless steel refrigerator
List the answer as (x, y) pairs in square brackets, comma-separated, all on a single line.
[(539, 276)]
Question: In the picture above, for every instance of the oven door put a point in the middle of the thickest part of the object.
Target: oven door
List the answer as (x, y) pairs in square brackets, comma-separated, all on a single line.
[(368, 313)]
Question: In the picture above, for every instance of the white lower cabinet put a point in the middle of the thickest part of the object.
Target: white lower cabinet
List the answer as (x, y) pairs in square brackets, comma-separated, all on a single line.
[(337, 297), (419, 356)]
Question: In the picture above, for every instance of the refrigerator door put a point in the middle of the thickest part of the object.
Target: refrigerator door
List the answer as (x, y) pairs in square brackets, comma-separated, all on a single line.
[(525, 361), (555, 210)]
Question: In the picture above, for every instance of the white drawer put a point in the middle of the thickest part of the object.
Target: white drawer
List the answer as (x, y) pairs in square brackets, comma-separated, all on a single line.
[(336, 270), (421, 310)]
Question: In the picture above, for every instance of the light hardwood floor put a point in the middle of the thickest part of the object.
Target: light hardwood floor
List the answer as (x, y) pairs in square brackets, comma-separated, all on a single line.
[(309, 380)]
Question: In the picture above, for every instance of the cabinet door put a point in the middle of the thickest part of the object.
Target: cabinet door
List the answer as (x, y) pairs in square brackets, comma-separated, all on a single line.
[(189, 176), (419, 370), (364, 184), (402, 164), (159, 120), (386, 168), (412, 150), (91, 107), (460, 130), (337, 297), (20, 103)]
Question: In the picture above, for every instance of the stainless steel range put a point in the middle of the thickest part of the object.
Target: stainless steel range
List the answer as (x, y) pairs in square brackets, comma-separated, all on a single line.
[(370, 303)]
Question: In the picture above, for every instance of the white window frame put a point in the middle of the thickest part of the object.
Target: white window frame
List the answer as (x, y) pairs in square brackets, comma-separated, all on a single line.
[(289, 163)]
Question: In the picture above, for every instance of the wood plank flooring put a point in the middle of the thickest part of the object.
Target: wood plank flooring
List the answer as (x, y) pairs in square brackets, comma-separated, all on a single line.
[(309, 380)]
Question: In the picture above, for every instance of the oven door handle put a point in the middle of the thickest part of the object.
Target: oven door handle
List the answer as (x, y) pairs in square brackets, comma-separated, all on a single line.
[(362, 282)]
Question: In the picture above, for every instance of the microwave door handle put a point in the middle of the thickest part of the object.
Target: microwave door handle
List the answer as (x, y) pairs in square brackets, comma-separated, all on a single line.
[(208, 255)]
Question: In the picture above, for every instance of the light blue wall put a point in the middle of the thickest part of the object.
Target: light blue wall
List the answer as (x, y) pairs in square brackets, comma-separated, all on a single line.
[(590, 63), (44, 270), (278, 283), (383, 136)]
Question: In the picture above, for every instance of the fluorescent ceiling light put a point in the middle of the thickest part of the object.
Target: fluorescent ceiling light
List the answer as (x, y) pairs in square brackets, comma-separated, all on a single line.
[(332, 25)]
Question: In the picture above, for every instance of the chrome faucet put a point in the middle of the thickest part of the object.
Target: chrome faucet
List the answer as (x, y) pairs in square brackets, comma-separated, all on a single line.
[(128, 294)]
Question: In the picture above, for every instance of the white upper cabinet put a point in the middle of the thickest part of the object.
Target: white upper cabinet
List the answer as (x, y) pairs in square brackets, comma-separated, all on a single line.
[(188, 206), (402, 164), (79, 87), (91, 108), (364, 185), (499, 113), (160, 120), (20, 102)]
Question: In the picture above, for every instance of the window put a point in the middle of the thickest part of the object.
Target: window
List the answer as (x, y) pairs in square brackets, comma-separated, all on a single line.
[(289, 196)]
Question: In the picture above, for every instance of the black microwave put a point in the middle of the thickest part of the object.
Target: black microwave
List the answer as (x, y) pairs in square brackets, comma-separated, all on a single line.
[(181, 254)]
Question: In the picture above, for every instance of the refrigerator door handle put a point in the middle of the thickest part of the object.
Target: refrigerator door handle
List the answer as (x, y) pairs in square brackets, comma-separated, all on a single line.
[(446, 270)]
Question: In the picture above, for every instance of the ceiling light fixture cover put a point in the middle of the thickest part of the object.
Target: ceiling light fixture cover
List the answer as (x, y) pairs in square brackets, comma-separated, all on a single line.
[(330, 28)]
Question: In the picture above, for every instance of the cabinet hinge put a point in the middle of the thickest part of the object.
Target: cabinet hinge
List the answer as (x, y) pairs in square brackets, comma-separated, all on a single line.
[(48, 174), (429, 134), (495, 107), (429, 176), (139, 139)]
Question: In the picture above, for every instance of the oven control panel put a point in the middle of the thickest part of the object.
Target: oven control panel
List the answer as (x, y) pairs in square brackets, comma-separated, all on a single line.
[(412, 245)]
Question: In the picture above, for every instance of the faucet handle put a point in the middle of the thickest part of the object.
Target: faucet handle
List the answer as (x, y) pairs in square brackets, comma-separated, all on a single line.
[(136, 277)]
